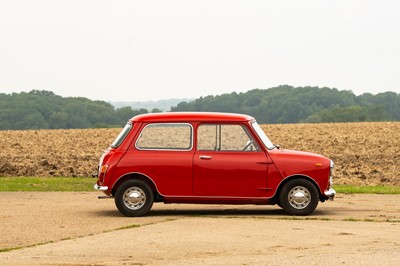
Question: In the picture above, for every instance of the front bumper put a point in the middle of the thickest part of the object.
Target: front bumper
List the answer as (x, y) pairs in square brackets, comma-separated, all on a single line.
[(330, 194), (101, 188)]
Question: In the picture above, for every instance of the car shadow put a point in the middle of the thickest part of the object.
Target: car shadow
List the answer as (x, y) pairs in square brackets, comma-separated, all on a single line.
[(216, 212), (225, 212)]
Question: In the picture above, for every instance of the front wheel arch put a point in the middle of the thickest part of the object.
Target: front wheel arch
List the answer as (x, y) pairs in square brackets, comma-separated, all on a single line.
[(275, 197)]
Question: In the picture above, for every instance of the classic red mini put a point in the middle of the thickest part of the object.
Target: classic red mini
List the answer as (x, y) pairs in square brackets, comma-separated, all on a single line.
[(217, 158)]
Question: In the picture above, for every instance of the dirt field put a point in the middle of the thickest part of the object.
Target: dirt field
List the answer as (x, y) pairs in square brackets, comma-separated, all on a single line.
[(364, 153), (65, 228)]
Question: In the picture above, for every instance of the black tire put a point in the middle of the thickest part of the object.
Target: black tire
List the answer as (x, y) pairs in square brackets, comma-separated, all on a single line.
[(134, 198), (299, 197)]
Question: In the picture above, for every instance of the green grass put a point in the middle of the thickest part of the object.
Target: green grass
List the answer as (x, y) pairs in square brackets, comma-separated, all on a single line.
[(46, 184), (86, 184), (348, 189), (29, 246)]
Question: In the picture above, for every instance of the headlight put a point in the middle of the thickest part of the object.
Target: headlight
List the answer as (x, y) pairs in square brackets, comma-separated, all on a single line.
[(331, 173)]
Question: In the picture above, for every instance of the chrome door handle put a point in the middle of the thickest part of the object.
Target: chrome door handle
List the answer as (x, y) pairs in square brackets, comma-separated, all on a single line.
[(205, 157)]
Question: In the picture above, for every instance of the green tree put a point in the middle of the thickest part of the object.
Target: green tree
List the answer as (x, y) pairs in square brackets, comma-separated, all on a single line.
[(43, 109)]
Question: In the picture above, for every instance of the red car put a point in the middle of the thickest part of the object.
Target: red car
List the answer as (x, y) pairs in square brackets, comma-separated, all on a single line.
[(216, 158)]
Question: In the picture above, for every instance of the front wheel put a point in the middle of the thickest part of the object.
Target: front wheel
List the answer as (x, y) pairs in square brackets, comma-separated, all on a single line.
[(134, 198), (299, 197)]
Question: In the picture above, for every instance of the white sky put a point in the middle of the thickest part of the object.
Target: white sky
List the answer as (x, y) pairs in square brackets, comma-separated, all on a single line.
[(149, 50)]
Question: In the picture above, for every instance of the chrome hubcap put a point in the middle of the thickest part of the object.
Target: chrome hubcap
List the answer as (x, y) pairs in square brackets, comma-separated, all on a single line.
[(299, 197), (134, 198)]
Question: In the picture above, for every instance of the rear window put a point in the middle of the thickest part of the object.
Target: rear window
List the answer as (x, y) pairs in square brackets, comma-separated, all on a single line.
[(122, 135), (165, 136)]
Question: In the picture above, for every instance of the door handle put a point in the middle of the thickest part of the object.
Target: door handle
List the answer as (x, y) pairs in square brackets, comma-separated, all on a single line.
[(205, 157)]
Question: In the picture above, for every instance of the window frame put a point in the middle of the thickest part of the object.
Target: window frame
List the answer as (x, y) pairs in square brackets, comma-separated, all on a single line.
[(218, 136), (263, 137), (122, 135), (165, 149)]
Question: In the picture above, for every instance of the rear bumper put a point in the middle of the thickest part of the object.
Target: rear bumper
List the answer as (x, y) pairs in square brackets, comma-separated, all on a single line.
[(330, 194), (101, 188)]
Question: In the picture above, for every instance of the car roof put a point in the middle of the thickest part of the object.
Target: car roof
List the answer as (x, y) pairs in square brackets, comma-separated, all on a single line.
[(191, 117)]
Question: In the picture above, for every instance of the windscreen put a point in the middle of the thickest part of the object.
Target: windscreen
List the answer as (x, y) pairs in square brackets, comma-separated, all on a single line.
[(262, 136)]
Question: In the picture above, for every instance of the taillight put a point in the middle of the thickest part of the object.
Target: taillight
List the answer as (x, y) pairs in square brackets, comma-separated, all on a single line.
[(103, 171)]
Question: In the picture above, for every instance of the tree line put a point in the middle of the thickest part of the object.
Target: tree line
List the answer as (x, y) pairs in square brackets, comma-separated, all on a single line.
[(287, 104), (45, 110), (40, 109)]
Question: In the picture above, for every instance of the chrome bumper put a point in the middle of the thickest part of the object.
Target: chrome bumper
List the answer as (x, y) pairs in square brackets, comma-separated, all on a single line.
[(330, 194), (101, 188)]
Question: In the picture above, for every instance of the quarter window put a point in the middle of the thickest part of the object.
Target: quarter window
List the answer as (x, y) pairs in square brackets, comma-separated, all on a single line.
[(165, 136), (122, 135)]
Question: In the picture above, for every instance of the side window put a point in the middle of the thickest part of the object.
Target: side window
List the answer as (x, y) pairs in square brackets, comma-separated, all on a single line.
[(224, 138), (207, 136), (235, 138), (165, 136)]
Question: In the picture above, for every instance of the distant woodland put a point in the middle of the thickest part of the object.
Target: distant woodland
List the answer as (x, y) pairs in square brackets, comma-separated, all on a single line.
[(283, 104), (287, 104), (46, 110)]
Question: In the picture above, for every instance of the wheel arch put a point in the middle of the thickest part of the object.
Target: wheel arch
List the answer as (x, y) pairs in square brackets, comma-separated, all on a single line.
[(138, 176), (275, 198)]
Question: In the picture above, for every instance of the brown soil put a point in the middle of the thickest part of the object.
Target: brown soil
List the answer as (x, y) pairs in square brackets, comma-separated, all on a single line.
[(71, 153), (364, 153), (66, 228)]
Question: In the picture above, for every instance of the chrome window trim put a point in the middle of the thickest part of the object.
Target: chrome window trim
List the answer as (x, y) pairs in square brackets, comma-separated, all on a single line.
[(122, 135), (219, 138), (166, 149), (263, 140)]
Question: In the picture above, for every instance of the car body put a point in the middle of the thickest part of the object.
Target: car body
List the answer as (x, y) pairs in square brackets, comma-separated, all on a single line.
[(215, 158)]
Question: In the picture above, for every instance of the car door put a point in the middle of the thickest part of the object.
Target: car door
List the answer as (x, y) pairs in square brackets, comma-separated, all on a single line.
[(228, 162)]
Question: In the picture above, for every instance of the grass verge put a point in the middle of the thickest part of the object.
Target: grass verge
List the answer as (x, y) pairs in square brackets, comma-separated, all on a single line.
[(349, 189), (46, 184)]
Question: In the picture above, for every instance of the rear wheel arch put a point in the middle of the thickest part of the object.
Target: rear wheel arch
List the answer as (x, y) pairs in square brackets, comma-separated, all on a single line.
[(137, 176)]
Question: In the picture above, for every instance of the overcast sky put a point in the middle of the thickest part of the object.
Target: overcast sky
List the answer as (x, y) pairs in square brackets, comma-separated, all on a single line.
[(150, 50)]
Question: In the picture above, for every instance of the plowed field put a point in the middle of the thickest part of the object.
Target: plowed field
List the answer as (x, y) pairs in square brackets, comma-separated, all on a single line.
[(364, 153)]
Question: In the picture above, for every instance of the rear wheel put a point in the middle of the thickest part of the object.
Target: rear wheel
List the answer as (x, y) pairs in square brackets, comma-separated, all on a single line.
[(134, 198), (299, 197)]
